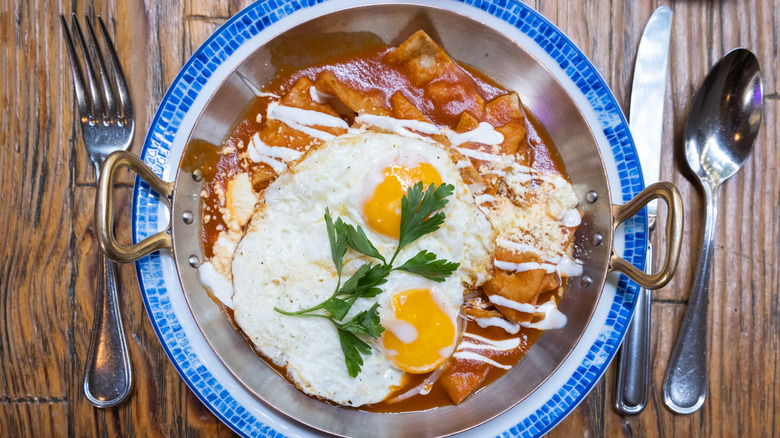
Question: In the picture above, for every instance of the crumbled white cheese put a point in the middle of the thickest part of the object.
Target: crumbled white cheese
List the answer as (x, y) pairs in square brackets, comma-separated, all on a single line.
[(240, 200), (561, 201), (223, 250), (531, 226)]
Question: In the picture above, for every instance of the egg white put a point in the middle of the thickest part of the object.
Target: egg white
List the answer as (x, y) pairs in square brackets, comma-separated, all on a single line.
[(284, 261)]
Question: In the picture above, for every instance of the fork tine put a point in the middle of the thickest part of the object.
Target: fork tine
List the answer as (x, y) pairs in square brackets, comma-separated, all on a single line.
[(98, 112), (108, 92), (75, 70), (119, 76)]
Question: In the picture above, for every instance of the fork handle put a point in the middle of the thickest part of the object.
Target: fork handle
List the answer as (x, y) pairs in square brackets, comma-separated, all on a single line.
[(107, 376)]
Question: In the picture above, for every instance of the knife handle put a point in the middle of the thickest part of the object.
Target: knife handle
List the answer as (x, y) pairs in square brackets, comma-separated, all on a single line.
[(633, 377)]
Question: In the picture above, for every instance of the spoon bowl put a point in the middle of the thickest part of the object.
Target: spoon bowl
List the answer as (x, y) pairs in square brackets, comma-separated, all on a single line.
[(724, 119), (719, 136)]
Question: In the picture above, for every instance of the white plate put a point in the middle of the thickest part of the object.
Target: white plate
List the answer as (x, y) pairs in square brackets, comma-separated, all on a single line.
[(186, 346)]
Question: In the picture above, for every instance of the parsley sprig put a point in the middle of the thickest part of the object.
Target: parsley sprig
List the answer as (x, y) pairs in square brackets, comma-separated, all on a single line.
[(419, 217)]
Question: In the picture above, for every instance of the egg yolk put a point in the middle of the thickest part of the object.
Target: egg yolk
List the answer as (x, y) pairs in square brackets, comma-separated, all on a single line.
[(383, 210), (422, 336)]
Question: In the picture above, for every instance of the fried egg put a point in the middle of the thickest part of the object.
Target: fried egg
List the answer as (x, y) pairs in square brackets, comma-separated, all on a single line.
[(284, 260)]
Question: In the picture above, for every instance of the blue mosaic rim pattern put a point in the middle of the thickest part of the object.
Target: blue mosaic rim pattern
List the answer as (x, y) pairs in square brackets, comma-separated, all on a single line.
[(248, 23)]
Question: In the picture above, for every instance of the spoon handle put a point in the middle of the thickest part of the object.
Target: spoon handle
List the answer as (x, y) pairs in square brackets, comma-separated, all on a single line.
[(685, 384)]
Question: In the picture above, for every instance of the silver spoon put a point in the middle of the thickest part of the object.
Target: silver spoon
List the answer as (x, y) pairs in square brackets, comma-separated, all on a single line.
[(719, 136)]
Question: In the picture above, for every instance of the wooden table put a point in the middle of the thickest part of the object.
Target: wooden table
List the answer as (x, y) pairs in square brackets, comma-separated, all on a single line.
[(48, 250)]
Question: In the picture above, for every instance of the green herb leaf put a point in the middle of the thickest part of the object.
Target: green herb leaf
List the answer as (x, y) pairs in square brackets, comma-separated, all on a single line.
[(371, 292), (363, 282), (353, 347), (426, 265), (350, 286), (337, 235), (358, 241), (337, 308), (366, 323), (376, 276), (417, 207)]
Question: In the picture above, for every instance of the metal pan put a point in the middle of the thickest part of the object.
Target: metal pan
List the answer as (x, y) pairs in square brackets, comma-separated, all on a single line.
[(510, 65)]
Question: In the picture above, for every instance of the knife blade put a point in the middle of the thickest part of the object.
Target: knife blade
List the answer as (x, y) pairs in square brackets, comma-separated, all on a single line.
[(646, 124)]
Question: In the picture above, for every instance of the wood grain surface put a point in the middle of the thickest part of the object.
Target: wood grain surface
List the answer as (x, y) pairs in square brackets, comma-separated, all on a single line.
[(48, 251)]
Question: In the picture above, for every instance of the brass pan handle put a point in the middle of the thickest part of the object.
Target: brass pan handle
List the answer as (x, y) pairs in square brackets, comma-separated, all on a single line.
[(104, 209), (674, 229)]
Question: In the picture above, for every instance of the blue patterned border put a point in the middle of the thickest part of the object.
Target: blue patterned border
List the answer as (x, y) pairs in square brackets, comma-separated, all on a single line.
[(251, 21)]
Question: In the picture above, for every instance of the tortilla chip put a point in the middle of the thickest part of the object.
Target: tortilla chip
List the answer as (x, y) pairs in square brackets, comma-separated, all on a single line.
[(487, 174), (521, 287), (455, 97), (278, 133), (424, 59), (359, 101), (403, 109), (504, 109), (462, 377)]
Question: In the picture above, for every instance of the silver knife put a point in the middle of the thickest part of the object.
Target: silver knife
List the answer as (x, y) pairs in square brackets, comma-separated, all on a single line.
[(646, 123)]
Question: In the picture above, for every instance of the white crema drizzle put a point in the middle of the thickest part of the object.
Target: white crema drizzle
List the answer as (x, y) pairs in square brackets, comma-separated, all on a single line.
[(505, 302), (494, 321), (484, 133), (566, 266), (518, 267), (275, 156), (548, 309), (318, 96), (563, 264), (520, 174), (516, 247), (302, 120), (479, 155), (400, 126), (468, 355), (571, 218), (553, 318), (488, 344)]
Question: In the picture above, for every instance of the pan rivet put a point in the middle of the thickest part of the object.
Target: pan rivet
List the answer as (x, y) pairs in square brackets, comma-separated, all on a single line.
[(197, 175), (194, 261), (187, 217), (597, 239), (592, 197), (586, 281)]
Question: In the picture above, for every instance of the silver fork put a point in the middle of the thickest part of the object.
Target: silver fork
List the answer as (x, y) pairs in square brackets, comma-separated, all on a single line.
[(106, 126)]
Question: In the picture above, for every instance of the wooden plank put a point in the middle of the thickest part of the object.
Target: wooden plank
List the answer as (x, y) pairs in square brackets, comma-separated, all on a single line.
[(40, 417), (36, 180), (213, 12)]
